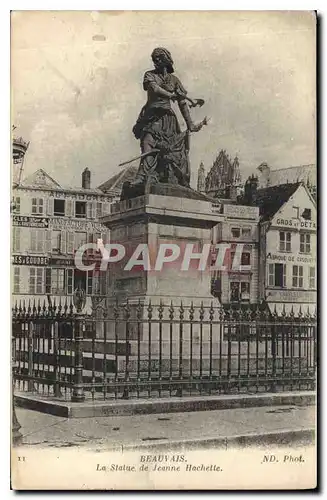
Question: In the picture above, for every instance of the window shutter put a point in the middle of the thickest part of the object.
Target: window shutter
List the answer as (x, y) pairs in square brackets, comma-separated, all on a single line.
[(16, 239), (48, 280), (63, 238), (47, 248), (33, 240), (90, 210), (70, 242), (50, 206), (69, 208), (40, 240), (99, 210)]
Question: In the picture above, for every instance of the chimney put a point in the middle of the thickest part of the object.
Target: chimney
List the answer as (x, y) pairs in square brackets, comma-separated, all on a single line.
[(250, 190), (264, 170), (86, 179)]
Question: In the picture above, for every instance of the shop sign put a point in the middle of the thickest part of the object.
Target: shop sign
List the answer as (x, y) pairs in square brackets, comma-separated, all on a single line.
[(76, 225), (295, 223), (284, 257), (24, 221), (291, 296), (30, 260), (241, 211)]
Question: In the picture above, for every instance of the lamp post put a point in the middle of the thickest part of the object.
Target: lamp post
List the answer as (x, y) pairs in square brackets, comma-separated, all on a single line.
[(79, 300)]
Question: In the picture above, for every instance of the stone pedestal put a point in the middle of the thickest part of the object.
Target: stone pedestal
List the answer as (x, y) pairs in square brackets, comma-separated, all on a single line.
[(174, 333), (154, 220)]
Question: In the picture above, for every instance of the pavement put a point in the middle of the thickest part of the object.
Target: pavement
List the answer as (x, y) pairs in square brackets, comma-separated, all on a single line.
[(288, 424)]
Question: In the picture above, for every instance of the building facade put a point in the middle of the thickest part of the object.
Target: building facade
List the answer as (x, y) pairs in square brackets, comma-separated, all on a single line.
[(49, 223), (287, 253), (238, 282)]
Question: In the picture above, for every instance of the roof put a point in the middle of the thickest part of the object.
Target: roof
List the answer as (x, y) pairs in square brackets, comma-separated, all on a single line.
[(304, 173), (41, 180), (271, 199), (115, 183)]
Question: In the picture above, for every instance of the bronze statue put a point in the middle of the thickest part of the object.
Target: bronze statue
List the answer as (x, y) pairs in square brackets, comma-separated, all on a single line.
[(165, 149)]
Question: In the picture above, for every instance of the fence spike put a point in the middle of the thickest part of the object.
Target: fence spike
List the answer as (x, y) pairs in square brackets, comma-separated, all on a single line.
[(201, 311), (191, 312), (150, 309), (59, 306), (181, 311), (29, 309), (292, 312), (39, 307), (284, 311), (211, 311), (171, 311), (71, 307), (65, 306), (160, 310)]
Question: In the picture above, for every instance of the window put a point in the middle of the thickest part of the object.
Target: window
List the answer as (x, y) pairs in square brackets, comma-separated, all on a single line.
[(58, 281), (37, 206), (59, 208), (235, 291), (306, 214), (284, 241), (37, 240), (80, 209), (277, 275), (16, 206), (70, 289), (16, 279), (55, 241), (239, 291), (16, 239), (304, 242), (235, 232), (297, 281), (246, 231), (312, 277), (36, 280), (245, 259), (245, 291)]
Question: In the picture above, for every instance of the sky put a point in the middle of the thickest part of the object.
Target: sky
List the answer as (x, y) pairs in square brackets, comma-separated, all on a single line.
[(76, 82)]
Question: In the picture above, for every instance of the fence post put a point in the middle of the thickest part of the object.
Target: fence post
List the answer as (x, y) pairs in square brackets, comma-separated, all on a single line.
[(15, 433), (30, 344), (79, 300)]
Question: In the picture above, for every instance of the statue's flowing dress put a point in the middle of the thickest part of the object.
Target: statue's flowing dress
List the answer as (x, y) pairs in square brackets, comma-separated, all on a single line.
[(157, 126)]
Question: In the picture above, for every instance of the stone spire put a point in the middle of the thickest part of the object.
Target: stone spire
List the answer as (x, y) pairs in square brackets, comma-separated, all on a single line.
[(201, 178)]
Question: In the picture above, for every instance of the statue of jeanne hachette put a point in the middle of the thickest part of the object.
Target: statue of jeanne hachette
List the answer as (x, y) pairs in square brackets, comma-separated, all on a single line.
[(164, 147)]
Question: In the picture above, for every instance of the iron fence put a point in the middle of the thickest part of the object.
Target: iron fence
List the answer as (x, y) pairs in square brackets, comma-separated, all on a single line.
[(136, 350)]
